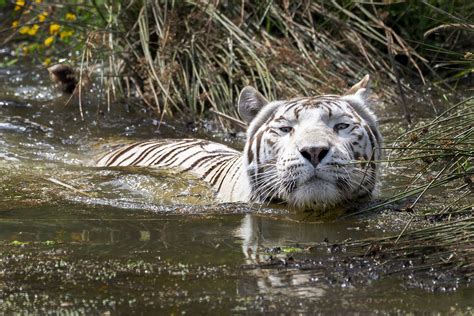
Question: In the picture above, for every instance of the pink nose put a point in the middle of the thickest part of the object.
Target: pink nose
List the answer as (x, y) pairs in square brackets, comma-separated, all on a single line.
[(314, 154)]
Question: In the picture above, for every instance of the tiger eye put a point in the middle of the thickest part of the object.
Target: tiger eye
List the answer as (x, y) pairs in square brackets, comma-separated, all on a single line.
[(340, 126), (286, 129)]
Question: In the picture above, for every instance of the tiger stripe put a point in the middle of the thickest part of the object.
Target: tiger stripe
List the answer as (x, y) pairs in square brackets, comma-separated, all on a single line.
[(214, 163)]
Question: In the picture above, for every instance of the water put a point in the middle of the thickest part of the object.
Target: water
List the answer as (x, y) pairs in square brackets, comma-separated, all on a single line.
[(78, 238)]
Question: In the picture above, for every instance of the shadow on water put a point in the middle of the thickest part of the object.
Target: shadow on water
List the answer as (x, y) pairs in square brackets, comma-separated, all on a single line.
[(78, 238)]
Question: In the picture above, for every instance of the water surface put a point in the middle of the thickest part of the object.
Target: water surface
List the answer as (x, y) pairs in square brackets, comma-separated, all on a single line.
[(78, 238)]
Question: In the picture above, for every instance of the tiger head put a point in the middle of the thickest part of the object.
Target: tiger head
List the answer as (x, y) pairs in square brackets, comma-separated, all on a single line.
[(311, 152)]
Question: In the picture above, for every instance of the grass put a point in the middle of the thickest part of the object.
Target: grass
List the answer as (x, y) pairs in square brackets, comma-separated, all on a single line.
[(193, 56), (189, 57), (436, 243), (438, 158), (436, 154)]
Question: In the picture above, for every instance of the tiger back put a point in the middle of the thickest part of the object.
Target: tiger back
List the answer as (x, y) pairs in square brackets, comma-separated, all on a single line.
[(217, 164)]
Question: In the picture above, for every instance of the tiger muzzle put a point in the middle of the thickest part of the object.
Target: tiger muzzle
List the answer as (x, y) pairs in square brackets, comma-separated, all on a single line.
[(314, 154)]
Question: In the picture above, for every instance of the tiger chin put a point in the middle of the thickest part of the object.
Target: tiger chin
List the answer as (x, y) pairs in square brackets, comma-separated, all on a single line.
[(308, 152)]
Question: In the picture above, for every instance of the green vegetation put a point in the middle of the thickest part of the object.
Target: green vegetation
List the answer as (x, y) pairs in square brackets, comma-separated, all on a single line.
[(192, 56), (42, 32)]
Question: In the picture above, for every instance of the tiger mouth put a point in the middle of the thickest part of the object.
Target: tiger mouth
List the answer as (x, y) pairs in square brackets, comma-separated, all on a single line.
[(318, 177), (313, 181)]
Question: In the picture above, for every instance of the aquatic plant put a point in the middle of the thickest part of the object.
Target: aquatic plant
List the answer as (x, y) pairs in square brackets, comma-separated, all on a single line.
[(437, 157)]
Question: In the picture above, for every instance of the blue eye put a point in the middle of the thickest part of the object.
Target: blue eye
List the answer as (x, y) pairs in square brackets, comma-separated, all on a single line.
[(340, 126), (286, 129)]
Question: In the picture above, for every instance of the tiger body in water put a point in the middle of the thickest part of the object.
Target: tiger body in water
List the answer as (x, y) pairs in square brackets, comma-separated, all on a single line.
[(309, 153)]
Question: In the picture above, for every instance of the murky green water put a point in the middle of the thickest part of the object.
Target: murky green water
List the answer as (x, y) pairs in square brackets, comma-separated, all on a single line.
[(78, 238)]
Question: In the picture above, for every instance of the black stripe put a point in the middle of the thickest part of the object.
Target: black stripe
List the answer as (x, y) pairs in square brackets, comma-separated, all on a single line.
[(198, 161), (296, 112), (231, 162), (176, 152), (258, 140), (292, 104), (252, 177), (211, 168), (329, 110), (118, 153), (146, 152), (166, 154), (371, 137), (219, 172), (238, 168), (249, 151)]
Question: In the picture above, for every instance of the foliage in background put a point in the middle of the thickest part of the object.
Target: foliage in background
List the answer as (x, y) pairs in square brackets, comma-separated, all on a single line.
[(191, 56), (42, 32)]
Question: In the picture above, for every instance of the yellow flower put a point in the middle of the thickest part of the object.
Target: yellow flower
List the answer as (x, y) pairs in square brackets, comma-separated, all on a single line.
[(47, 61), (19, 4), (42, 16), (38, 1), (48, 41), (24, 29), (65, 34), (70, 17), (54, 28), (15, 24), (33, 30)]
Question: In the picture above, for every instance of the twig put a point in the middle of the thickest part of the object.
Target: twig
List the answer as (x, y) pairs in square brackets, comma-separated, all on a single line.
[(230, 118), (417, 199), (462, 26), (70, 187), (81, 71)]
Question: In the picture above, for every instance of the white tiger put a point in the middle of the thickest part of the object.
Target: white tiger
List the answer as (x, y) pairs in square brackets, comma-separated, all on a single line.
[(308, 152)]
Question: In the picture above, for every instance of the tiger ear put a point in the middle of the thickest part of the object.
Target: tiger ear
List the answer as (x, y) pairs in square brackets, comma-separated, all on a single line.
[(250, 103), (360, 98), (361, 88)]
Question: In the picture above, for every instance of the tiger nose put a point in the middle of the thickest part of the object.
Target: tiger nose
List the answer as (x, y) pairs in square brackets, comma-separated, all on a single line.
[(314, 154)]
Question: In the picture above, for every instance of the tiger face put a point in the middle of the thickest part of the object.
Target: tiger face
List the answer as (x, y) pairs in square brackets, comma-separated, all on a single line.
[(311, 152)]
